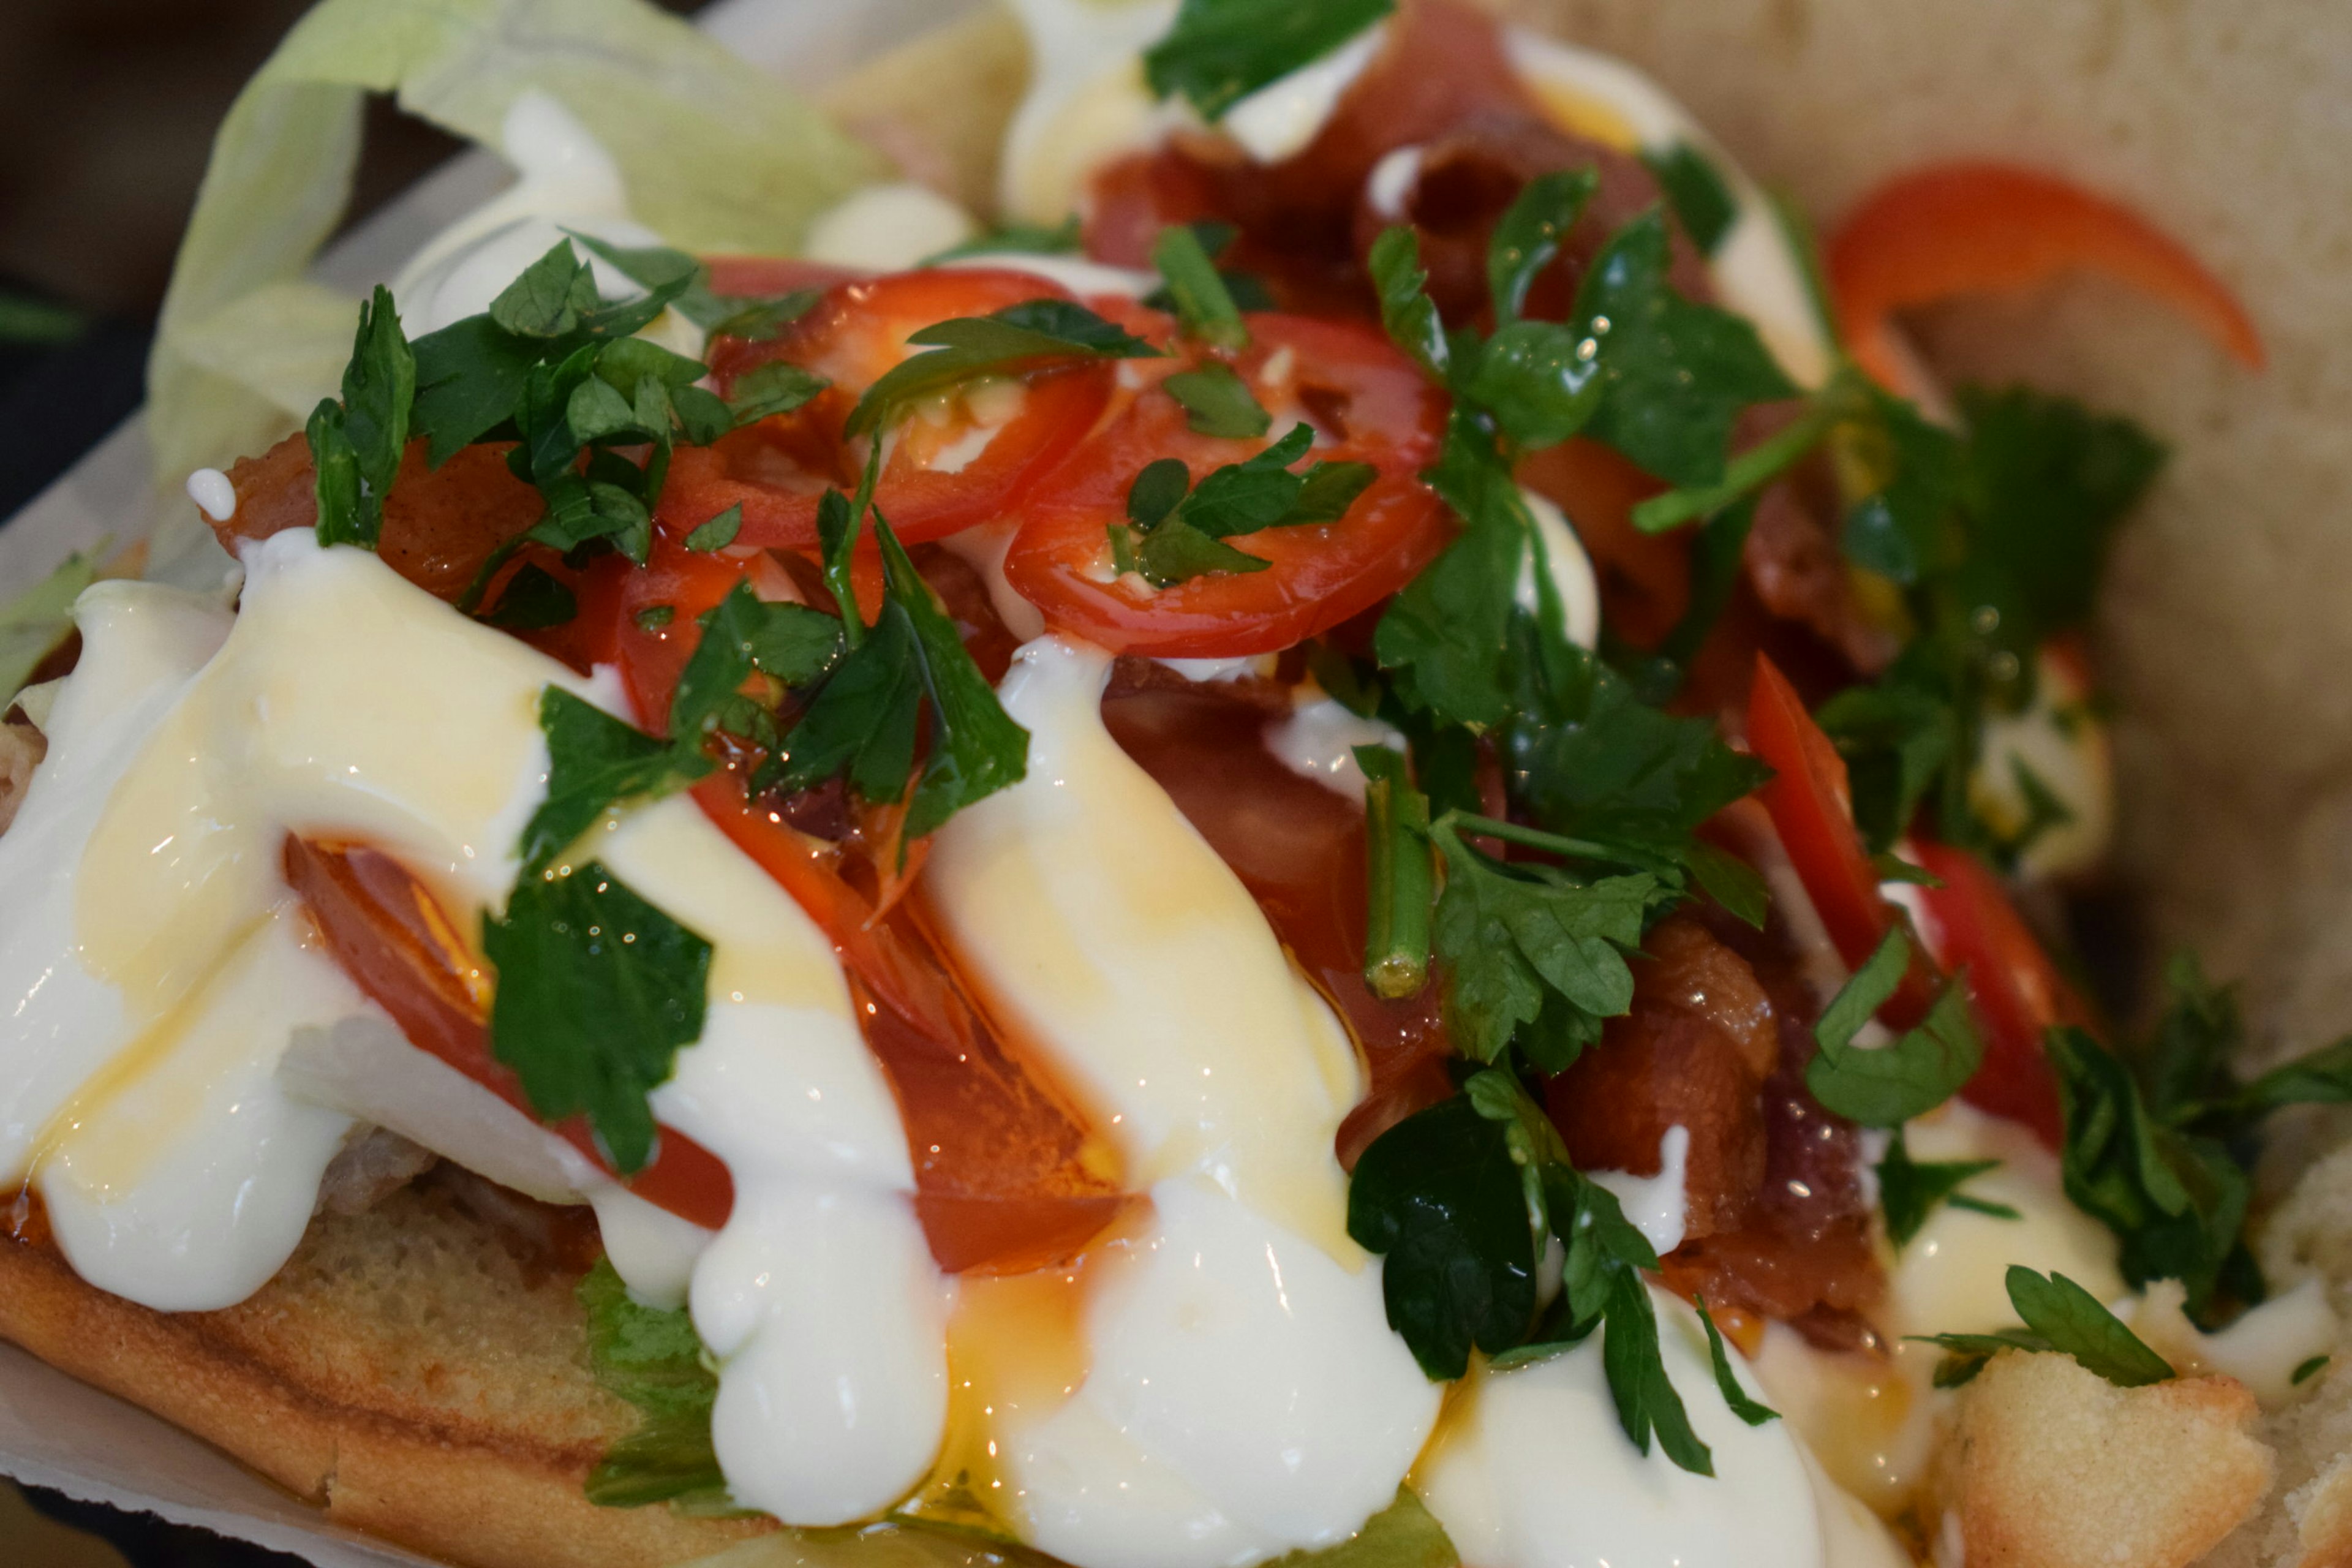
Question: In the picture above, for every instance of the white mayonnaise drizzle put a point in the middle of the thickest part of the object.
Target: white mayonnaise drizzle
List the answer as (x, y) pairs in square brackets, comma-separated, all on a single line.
[(214, 495), (566, 180), (1658, 1205), (1285, 114), (1245, 1395), (1560, 553), (1081, 277), (1087, 101), (159, 971), (1531, 1469), (1319, 738)]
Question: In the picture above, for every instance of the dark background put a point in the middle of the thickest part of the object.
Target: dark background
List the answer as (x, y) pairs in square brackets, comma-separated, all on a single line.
[(107, 110)]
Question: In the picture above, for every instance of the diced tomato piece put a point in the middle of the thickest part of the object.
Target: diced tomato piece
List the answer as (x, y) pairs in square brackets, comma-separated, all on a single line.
[(1969, 924), (1962, 228), (1811, 806), (967, 461), (758, 277), (1369, 403), (400, 947)]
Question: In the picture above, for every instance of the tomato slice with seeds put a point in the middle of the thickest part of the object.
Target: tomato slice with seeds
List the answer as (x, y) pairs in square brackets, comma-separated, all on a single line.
[(955, 462), (399, 946), (1369, 404)]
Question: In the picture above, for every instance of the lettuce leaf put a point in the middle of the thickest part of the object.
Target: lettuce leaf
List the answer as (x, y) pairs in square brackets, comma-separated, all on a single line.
[(715, 156), (34, 623)]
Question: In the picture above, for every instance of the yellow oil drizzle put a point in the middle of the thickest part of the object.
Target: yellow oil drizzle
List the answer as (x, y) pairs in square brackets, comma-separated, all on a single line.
[(1578, 115), (118, 1162)]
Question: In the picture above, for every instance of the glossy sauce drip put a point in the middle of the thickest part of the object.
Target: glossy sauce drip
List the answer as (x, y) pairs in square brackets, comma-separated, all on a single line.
[(1298, 847), (397, 944)]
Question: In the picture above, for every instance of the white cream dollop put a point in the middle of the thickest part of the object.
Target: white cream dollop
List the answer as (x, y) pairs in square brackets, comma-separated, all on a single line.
[(1245, 1395)]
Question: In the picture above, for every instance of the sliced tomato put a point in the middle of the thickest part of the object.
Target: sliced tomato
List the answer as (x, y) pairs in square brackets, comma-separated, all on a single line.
[(1367, 403), (1811, 807), (1007, 1176), (400, 947), (1977, 228), (966, 461), (2018, 995), (762, 276)]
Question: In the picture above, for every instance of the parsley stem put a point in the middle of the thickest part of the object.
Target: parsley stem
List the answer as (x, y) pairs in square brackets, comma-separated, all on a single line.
[(1754, 466), (1529, 838), (1401, 875)]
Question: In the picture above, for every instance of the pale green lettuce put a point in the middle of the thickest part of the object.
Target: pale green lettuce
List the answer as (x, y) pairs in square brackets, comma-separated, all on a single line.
[(715, 156), (34, 623)]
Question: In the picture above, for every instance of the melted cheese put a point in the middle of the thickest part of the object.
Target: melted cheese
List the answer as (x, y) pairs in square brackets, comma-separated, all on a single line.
[(161, 971), (1532, 1470), (1242, 1394)]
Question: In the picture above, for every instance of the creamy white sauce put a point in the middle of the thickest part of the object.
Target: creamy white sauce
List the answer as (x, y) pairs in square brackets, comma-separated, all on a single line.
[(1658, 1205), (1319, 738), (1392, 180), (1087, 101), (983, 548), (2067, 748), (1558, 551), (158, 973), (1533, 1470), (1285, 114), (214, 495), (1210, 671), (887, 228), (2263, 1349), (566, 180), (1245, 1395), (1081, 277)]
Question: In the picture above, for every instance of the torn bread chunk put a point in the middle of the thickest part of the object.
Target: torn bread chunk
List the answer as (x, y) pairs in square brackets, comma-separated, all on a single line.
[(2051, 1466)]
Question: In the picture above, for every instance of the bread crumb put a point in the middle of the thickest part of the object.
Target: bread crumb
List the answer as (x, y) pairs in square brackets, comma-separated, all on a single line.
[(2051, 1466)]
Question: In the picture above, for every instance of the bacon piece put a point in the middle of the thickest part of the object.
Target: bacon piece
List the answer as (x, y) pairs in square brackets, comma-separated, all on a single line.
[(1694, 1052)]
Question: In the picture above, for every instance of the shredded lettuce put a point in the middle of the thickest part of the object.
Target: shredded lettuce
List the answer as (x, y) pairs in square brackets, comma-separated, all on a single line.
[(717, 156), (34, 623)]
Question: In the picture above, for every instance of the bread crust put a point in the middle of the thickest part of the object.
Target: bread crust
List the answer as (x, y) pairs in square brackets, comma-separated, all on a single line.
[(483, 1470)]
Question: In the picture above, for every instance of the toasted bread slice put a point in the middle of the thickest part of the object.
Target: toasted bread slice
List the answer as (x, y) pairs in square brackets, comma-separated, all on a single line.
[(419, 1370)]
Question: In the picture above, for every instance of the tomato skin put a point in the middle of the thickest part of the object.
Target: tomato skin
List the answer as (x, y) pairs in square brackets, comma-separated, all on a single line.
[(1811, 807), (388, 933), (760, 276), (1970, 924), (1960, 228), (777, 470), (1352, 384)]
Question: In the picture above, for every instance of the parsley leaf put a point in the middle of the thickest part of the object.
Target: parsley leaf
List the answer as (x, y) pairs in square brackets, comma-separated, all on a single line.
[(1218, 402), (1407, 311), (598, 990), (594, 760), (1178, 535), (1541, 382), (1532, 954), (2175, 1200), (1647, 1401), (778, 387), (533, 601), (356, 445), (1896, 737), (1694, 188), (2059, 1316), (1755, 1412), (1527, 237), (1909, 1190), (1198, 295), (718, 532), (1910, 1075), (1439, 1195), (1899, 529), (1677, 372), (653, 1359), (1004, 342), (1220, 51), (1448, 633), (550, 298), (863, 721), (742, 633)]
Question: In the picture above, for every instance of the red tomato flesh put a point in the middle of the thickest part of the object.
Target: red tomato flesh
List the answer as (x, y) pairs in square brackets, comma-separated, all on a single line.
[(1369, 402), (1962, 228), (934, 482), (400, 947)]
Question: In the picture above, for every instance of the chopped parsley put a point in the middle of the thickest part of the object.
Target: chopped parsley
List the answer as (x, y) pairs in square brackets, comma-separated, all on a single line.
[(1018, 338), (594, 762), (356, 444), (598, 990), (1218, 402), (1702, 204), (2059, 1316), (1911, 1074), (1909, 1190), (1755, 1412), (1197, 295), (1176, 530), (1220, 51)]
